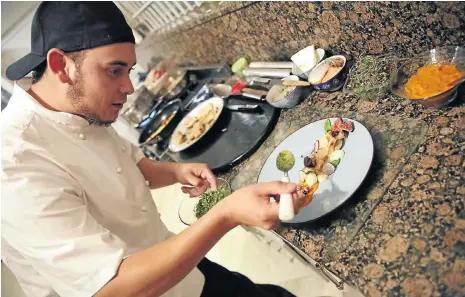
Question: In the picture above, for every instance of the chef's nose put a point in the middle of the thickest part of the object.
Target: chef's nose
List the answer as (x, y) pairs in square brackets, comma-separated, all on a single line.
[(127, 87)]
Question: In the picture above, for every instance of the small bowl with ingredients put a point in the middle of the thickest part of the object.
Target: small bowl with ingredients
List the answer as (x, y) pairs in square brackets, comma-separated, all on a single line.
[(281, 96), (432, 78), (191, 209), (329, 75), (368, 78)]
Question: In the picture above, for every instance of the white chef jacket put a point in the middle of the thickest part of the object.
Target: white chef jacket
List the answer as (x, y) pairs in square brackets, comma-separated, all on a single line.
[(74, 202)]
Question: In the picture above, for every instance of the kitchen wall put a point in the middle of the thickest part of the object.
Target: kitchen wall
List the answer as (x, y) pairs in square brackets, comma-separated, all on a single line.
[(267, 30), (16, 34)]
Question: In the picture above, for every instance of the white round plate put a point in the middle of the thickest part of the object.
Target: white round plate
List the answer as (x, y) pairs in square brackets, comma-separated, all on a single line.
[(216, 101), (339, 186)]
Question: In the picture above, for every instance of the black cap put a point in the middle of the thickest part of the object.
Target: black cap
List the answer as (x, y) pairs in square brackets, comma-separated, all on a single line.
[(71, 26)]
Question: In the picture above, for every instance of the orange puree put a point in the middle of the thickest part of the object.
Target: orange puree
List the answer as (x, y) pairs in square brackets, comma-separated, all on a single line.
[(431, 80)]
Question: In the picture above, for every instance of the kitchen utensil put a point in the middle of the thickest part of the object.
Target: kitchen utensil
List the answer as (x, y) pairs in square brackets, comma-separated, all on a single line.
[(163, 123), (186, 208), (221, 90), (295, 83), (349, 175), (284, 96), (284, 162), (337, 79), (224, 91), (238, 86), (217, 102), (267, 72), (254, 92), (276, 65), (233, 138), (244, 107)]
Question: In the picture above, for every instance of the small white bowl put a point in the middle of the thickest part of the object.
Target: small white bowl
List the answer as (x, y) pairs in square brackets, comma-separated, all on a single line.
[(302, 55)]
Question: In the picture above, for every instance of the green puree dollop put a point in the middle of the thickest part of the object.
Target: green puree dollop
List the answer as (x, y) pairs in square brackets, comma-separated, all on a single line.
[(285, 160)]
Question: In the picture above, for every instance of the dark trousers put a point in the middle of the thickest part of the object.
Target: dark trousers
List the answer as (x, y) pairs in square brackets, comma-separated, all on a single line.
[(220, 282)]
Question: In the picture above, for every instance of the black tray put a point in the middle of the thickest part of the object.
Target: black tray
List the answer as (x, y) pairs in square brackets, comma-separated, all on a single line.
[(233, 138)]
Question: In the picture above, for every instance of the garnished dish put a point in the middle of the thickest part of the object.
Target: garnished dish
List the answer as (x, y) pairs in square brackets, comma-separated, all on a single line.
[(323, 160), (196, 124), (431, 80)]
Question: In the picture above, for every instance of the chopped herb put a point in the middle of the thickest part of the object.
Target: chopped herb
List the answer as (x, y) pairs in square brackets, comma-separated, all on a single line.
[(369, 77), (210, 199)]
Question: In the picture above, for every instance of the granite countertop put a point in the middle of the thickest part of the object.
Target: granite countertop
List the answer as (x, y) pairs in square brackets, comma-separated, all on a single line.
[(412, 241), (404, 235)]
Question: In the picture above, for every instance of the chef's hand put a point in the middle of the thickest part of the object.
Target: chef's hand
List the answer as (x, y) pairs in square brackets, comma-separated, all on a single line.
[(196, 178), (251, 205)]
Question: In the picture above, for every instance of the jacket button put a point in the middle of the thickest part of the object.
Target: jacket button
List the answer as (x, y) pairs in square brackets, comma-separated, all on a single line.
[(82, 136), (144, 209), (119, 170)]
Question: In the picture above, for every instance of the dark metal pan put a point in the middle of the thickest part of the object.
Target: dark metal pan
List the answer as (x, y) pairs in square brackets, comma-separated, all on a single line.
[(163, 123)]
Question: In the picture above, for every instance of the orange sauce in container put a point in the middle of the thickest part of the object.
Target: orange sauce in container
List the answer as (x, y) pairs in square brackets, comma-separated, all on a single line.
[(431, 80)]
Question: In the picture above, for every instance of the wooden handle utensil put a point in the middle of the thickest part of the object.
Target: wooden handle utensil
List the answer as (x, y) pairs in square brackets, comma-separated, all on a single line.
[(295, 83)]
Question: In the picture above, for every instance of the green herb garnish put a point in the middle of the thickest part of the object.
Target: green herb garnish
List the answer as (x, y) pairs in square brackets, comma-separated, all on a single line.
[(369, 77), (327, 125), (210, 199), (336, 162)]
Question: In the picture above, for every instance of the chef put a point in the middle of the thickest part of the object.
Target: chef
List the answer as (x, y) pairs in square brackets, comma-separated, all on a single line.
[(78, 218)]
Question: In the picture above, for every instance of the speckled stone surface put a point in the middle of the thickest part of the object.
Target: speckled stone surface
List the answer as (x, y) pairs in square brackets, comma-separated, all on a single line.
[(414, 239), (394, 138), (413, 242), (265, 30)]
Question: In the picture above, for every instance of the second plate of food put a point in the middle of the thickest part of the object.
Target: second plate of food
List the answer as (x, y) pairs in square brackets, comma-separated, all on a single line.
[(196, 124)]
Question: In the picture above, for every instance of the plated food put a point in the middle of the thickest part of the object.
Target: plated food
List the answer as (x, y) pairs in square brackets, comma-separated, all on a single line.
[(323, 160), (350, 169), (196, 124)]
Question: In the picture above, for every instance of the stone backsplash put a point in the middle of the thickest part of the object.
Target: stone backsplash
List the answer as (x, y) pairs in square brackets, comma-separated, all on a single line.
[(273, 30)]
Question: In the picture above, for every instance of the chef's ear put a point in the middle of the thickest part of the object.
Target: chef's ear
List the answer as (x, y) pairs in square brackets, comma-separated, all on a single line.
[(58, 65)]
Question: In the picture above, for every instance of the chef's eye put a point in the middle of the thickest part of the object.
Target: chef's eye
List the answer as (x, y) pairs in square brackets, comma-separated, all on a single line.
[(115, 72)]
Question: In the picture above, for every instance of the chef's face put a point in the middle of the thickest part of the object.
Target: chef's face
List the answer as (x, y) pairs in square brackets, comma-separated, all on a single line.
[(100, 82)]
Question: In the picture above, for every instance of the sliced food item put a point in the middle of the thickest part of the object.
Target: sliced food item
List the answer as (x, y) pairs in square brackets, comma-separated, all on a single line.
[(339, 144), (328, 168), (327, 125), (322, 177), (337, 154), (336, 162), (311, 179)]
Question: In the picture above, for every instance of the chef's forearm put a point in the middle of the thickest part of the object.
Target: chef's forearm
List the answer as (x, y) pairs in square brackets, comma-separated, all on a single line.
[(159, 174), (153, 271)]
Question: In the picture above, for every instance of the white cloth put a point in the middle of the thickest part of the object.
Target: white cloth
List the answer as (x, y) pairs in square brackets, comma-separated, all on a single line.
[(74, 203)]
